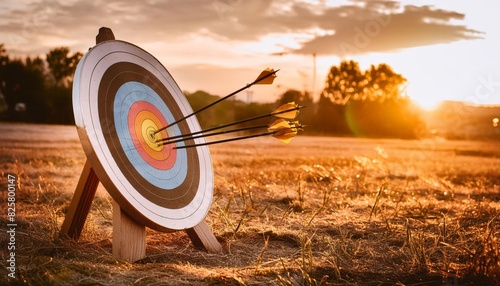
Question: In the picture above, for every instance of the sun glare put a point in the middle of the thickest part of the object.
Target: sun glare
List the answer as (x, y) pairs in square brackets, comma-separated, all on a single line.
[(426, 103)]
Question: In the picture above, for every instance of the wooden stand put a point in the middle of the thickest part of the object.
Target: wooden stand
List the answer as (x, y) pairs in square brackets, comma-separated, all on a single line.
[(129, 237), (80, 205)]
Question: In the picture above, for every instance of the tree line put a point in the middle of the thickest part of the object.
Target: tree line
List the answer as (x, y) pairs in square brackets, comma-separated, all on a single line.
[(37, 90), (369, 103)]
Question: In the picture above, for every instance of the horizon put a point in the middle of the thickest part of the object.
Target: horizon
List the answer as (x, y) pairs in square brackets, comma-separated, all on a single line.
[(446, 50)]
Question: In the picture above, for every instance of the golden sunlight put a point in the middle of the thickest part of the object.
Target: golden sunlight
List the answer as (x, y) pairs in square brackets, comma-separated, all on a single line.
[(426, 103)]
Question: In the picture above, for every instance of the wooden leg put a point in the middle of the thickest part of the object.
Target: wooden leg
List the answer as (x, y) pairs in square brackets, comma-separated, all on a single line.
[(87, 185), (202, 237), (80, 204), (129, 237)]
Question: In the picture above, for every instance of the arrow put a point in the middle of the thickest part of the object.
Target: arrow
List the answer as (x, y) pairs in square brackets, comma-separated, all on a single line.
[(284, 130), (211, 134), (287, 111), (267, 76), (223, 141), (274, 127), (278, 130), (285, 135), (280, 112)]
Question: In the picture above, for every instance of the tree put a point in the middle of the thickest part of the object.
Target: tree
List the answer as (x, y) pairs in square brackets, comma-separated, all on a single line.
[(36, 64), (330, 117), (300, 98), (61, 65), (4, 59), (382, 83), (32, 93), (23, 88), (218, 114), (370, 103), (345, 82)]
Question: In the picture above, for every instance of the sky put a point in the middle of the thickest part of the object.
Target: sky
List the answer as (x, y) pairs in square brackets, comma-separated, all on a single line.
[(446, 49)]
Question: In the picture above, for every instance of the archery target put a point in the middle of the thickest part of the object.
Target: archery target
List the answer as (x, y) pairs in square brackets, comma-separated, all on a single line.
[(121, 96)]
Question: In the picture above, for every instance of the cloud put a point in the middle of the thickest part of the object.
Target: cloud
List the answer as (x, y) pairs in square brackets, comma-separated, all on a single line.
[(364, 29), (356, 27), (27, 27)]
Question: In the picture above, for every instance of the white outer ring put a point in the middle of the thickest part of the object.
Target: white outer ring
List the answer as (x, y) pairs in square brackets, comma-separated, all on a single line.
[(88, 76)]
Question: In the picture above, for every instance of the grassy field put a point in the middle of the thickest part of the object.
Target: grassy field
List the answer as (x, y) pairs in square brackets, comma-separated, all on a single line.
[(320, 211)]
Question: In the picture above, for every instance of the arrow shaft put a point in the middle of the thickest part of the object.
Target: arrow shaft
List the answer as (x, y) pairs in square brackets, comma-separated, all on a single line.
[(234, 139), (213, 134), (229, 124), (217, 101), (226, 140)]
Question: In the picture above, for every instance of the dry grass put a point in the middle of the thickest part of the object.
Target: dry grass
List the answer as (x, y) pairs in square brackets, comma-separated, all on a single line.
[(321, 211)]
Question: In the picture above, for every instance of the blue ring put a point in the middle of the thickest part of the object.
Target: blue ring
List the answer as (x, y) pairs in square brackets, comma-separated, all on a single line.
[(128, 94)]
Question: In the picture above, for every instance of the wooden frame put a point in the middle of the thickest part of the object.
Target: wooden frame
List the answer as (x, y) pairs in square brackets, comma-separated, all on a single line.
[(129, 236)]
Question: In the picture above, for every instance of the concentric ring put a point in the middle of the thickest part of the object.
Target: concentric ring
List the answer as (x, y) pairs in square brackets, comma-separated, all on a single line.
[(120, 95), (143, 120)]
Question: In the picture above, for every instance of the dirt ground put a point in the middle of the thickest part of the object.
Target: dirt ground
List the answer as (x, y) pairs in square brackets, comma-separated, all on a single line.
[(319, 211)]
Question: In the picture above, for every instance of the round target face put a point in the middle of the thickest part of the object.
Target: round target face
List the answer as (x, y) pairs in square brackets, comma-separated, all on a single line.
[(121, 96)]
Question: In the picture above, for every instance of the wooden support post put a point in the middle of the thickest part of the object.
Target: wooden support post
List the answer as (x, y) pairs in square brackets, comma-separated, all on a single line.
[(202, 237), (80, 204), (105, 34), (129, 237)]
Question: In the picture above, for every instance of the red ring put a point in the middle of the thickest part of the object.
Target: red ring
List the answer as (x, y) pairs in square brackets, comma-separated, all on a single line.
[(162, 159)]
